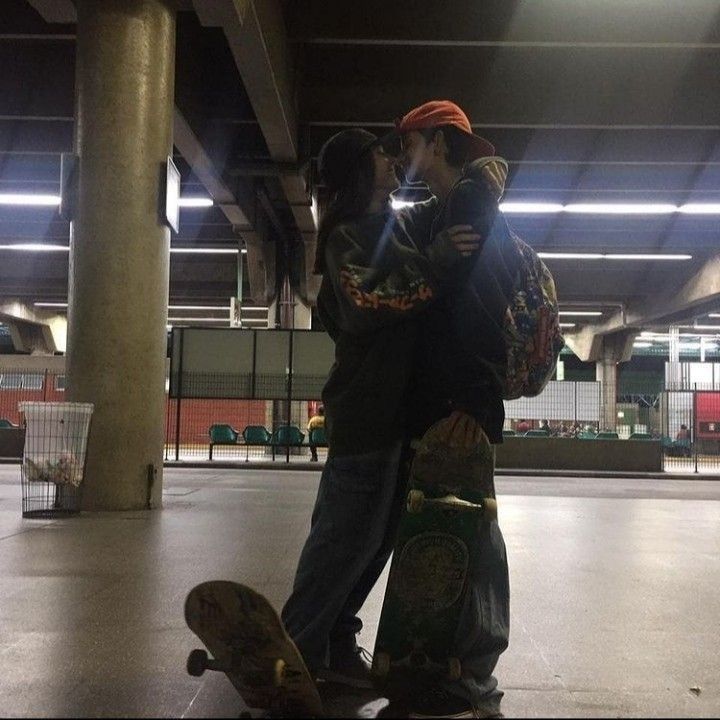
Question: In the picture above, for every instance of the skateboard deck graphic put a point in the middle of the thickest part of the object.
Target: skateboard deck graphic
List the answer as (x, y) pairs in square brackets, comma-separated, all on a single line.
[(247, 641), (450, 492)]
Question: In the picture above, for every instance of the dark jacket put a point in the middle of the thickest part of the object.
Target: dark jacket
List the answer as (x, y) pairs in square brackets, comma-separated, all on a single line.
[(460, 337), (375, 285)]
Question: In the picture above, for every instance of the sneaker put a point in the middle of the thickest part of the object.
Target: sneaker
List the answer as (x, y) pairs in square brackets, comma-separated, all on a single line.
[(352, 669), (439, 703)]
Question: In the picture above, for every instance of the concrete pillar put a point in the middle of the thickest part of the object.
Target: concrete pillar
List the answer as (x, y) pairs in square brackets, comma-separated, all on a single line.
[(606, 375), (119, 249)]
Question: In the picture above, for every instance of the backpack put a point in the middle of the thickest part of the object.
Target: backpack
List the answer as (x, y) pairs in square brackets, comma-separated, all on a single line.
[(531, 328), (511, 304)]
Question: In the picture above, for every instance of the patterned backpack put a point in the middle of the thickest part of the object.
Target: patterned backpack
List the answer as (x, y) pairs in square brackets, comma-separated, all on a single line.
[(531, 329), (514, 303)]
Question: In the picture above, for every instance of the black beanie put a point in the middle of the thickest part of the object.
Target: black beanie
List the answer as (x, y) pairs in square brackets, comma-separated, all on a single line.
[(339, 156)]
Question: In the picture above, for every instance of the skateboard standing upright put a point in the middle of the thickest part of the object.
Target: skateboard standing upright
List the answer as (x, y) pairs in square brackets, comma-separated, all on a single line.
[(248, 642), (450, 492)]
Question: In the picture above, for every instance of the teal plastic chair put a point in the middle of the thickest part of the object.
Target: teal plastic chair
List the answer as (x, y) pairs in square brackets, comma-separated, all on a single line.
[(607, 436), (640, 436), (286, 436), (255, 435), (5, 423), (509, 433), (584, 435), (222, 434), (683, 448), (537, 433)]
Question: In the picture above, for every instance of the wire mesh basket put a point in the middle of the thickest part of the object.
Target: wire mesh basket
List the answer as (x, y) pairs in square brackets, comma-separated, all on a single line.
[(53, 465)]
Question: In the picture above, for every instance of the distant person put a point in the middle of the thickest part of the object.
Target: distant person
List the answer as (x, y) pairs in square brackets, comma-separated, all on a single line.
[(315, 422), (683, 433), (545, 426), (523, 426)]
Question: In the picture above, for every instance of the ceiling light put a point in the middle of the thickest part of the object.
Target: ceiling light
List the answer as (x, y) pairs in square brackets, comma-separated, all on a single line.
[(610, 256), (530, 207), (646, 256), (567, 325), (700, 209), (205, 251), (621, 208), (583, 313), (36, 247), (705, 327), (195, 202), (570, 256), (642, 344), (23, 199), (51, 304)]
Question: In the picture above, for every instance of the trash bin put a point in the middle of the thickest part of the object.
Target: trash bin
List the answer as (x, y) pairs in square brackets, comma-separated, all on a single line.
[(53, 465)]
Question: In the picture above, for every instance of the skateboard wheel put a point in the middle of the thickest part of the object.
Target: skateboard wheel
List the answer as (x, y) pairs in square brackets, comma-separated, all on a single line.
[(491, 510), (454, 669), (197, 663), (415, 501), (381, 664), (279, 672)]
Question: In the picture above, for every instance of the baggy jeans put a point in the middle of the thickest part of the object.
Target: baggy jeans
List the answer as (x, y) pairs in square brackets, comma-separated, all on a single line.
[(484, 626), (352, 534)]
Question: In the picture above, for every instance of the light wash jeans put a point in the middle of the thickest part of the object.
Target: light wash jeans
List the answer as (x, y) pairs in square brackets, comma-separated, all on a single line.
[(352, 535)]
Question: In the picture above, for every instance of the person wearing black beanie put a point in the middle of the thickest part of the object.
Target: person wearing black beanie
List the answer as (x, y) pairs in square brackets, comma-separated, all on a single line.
[(376, 284)]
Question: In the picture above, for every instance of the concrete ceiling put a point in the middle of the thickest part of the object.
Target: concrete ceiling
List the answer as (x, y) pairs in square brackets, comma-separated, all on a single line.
[(590, 101)]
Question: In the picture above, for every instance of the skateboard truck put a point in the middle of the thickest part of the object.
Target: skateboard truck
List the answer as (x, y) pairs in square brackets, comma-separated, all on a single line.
[(417, 500), (199, 661)]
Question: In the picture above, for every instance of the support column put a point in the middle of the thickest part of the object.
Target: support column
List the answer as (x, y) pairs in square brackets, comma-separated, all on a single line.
[(606, 375), (119, 249)]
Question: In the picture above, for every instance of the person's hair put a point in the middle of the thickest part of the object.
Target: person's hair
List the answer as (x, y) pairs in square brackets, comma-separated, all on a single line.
[(683, 427), (456, 141), (348, 203)]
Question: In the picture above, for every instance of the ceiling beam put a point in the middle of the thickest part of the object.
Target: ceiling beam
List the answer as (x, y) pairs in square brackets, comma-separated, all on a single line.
[(56, 11), (256, 35), (695, 297)]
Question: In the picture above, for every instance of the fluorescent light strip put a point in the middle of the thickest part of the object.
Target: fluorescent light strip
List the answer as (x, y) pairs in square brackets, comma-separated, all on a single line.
[(530, 207), (45, 247), (35, 247), (611, 208), (205, 251), (511, 207), (567, 325), (54, 200), (51, 304), (642, 344), (581, 313), (26, 199), (620, 208), (610, 256), (195, 202)]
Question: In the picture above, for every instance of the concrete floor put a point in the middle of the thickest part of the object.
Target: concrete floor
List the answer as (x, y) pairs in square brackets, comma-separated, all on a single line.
[(615, 595)]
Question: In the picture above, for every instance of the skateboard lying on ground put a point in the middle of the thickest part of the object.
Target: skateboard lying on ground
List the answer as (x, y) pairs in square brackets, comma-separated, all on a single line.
[(450, 492), (248, 642)]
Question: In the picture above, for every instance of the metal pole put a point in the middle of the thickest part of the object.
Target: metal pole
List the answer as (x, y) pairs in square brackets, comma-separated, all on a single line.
[(179, 395)]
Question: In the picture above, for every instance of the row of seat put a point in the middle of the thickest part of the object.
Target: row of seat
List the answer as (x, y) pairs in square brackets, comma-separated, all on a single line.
[(259, 436), (681, 447)]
